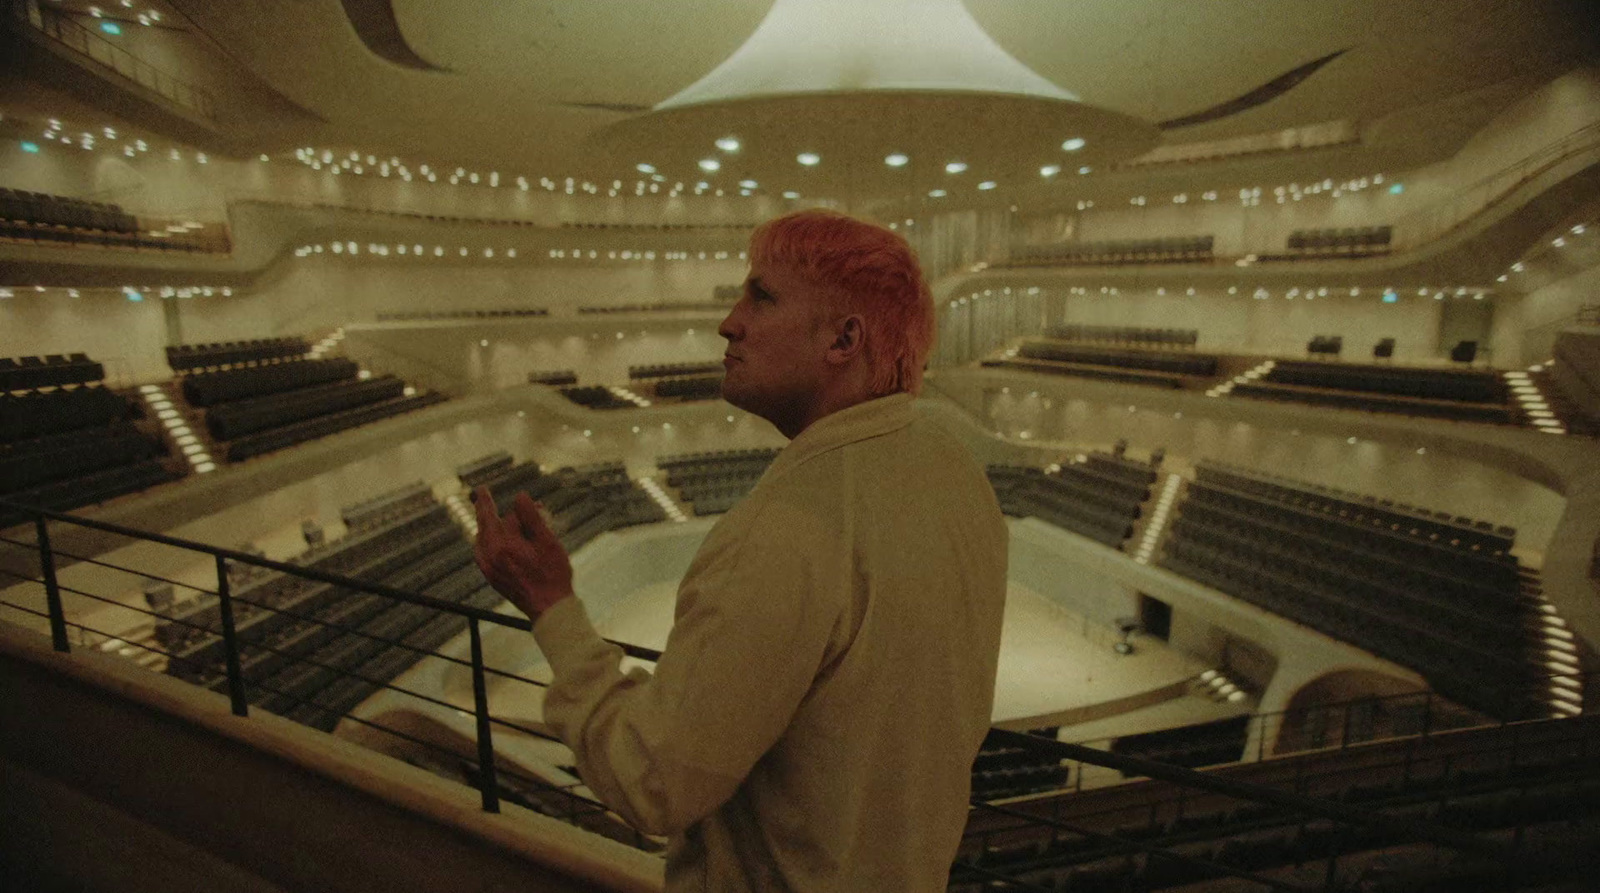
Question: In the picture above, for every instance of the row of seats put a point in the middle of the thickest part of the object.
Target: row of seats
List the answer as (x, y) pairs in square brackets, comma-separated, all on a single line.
[(320, 650), (1001, 771), (714, 482), (380, 510), (194, 626), (235, 419), (40, 209), (652, 308), (1543, 794), (596, 397), (699, 387), (1473, 644), (186, 357), (1430, 384), (1159, 250), (1193, 746), (243, 382), (49, 371), (491, 313), (29, 463), (1084, 370), (1326, 344), (1364, 239), (583, 502), (1125, 335), (553, 378), (322, 426), (37, 413), (208, 242), (1439, 528), (673, 370), (89, 489), (1078, 498), (1150, 360), (1370, 402)]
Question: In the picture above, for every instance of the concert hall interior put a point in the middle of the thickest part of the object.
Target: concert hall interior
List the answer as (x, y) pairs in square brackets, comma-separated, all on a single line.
[(1276, 327)]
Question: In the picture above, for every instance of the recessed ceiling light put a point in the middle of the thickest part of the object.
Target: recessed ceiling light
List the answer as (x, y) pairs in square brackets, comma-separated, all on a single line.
[(1050, 170), (896, 160), (748, 184), (791, 195), (809, 159), (728, 144), (1086, 169), (1074, 144), (644, 168), (710, 164), (937, 193), (955, 167), (986, 184)]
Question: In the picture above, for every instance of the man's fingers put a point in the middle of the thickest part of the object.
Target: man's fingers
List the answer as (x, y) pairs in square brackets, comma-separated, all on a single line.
[(527, 511), (488, 521)]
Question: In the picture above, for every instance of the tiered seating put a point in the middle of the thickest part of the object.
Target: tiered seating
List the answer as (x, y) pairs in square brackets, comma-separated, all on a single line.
[(713, 482), (188, 357), (49, 371), (1442, 596), (1357, 242), (583, 502), (1135, 335), (699, 387), (39, 217), (70, 447), (653, 308), (1099, 498), (1532, 781), (1169, 369), (1203, 744), (244, 382), (271, 405), (1001, 771), (491, 313), (312, 651), (554, 378), (1178, 249), (1443, 393), (60, 212), (673, 370), (596, 397)]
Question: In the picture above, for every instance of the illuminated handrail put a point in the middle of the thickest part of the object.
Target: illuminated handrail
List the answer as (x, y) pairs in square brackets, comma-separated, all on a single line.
[(64, 30)]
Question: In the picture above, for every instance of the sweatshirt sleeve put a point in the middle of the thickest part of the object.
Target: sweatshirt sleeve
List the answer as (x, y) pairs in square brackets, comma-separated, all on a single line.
[(755, 616)]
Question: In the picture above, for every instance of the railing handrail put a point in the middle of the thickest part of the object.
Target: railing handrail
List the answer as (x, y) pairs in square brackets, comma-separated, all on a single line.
[(1244, 790), (202, 101), (321, 576)]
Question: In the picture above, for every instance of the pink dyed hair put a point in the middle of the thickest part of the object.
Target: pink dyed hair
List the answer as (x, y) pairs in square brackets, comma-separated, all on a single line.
[(871, 271)]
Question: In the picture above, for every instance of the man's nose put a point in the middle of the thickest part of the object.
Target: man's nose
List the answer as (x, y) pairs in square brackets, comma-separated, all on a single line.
[(729, 328)]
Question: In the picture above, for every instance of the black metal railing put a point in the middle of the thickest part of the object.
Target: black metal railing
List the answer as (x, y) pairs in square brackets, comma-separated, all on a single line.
[(487, 776), (493, 780)]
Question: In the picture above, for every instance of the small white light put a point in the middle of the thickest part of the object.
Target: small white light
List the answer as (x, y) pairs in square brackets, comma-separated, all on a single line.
[(726, 144), (710, 164), (1074, 144), (896, 160), (987, 185), (809, 159), (1050, 170), (748, 184), (937, 193), (955, 167)]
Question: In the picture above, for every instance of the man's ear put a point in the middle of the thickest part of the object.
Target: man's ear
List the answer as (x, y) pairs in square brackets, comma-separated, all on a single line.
[(851, 337)]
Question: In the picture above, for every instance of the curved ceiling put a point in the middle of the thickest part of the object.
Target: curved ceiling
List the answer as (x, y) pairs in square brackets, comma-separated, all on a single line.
[(530, 83)]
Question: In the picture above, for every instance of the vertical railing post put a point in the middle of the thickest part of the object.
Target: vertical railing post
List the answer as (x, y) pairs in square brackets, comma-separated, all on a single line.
[(230, 642), (52, 590), (1427, 714), (480, 697)]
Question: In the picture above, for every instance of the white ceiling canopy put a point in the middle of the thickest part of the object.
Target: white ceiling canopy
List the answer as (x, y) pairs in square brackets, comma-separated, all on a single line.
[(849, 99)]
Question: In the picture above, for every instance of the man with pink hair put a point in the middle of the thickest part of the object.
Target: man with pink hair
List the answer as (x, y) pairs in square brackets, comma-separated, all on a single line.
[(829, 677)]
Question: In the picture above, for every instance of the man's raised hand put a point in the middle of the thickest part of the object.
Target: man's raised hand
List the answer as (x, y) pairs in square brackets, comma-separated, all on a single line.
[(520, 555)]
